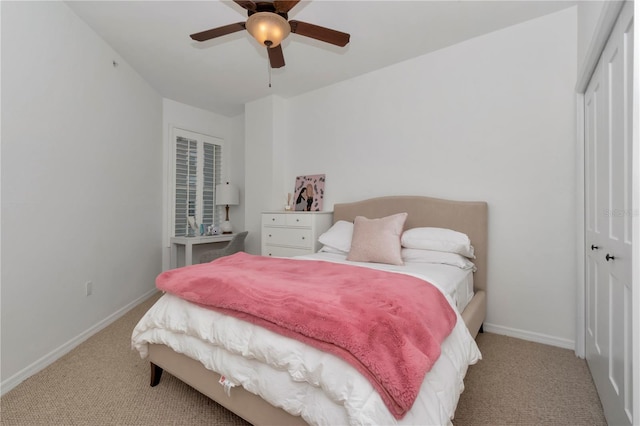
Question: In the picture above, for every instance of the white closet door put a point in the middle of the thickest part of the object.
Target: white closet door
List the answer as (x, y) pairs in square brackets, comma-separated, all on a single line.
[(608, 197)]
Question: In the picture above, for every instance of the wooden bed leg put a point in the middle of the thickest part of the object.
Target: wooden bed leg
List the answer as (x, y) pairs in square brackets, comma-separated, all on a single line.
[(156, 373)]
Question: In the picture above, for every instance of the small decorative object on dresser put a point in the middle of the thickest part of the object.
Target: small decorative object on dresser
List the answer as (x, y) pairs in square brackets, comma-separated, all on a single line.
[(286, 234)]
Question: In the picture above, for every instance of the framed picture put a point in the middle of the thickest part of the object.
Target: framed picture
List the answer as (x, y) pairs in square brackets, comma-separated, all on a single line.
[(309, 193)]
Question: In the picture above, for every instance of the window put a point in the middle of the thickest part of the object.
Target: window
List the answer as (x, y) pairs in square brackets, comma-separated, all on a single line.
[(197, 168)]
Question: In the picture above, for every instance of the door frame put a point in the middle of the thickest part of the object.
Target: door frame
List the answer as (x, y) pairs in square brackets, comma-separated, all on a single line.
[(606, 22)]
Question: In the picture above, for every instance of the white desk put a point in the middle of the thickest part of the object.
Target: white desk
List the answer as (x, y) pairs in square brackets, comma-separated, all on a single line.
[(189, 242)]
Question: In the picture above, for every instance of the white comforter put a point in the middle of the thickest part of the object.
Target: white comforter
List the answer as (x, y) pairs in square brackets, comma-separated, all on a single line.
[(302, 380)]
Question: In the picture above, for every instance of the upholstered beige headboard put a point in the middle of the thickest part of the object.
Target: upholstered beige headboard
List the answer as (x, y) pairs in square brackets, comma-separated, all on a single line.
[(469, 217)]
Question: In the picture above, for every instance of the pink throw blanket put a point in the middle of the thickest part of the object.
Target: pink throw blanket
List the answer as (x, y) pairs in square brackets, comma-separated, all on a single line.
[(389, 326)]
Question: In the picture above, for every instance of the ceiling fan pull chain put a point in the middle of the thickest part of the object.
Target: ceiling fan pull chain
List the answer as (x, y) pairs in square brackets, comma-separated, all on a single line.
[(269, 71)]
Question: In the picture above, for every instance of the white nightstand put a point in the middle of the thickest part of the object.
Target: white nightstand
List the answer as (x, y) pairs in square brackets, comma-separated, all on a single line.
[(286, 234)]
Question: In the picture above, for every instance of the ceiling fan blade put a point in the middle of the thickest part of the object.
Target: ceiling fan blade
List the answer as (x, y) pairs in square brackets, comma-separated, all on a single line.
[(284, 6), (320, 33), (247, 4), (276, 57), (217, 32)]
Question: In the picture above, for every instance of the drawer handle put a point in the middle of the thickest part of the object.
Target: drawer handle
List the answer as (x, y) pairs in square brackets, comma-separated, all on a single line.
[(303, 238), (269, 235), (273, 219), (297, 220), (608, 257), (594, 247)]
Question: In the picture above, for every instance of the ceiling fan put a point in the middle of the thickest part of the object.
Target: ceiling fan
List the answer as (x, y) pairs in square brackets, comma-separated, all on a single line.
[(268, 23)]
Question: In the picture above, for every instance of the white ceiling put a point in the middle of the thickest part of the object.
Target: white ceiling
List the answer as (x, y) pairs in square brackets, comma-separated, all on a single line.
[(221, 75)]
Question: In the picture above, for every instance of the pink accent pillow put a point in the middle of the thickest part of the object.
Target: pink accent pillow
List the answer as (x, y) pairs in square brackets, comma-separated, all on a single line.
[(377, 240)]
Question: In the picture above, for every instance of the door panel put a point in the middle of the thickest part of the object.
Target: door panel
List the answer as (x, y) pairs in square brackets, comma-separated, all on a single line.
[(608, 223)]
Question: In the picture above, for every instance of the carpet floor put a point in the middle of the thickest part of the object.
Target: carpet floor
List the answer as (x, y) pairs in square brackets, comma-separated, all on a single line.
[(104, 382)]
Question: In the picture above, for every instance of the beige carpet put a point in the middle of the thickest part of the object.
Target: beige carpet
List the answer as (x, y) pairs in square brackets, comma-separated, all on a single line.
[(525, 383), (103, 382)]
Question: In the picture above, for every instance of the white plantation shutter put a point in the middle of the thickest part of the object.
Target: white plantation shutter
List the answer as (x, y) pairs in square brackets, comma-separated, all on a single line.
[(197, 171), (211, 177), (185, 183)]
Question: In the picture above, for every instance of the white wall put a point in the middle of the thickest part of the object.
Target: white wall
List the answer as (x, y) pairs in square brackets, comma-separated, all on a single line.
[(230, 130), (81, 185), (588, 15), (266, 161), (488, 119)]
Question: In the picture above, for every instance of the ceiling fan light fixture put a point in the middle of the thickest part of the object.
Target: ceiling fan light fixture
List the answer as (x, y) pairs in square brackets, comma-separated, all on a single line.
[(268, 28)]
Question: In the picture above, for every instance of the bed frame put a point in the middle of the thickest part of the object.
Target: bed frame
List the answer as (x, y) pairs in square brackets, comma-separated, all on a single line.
[(469, 217)]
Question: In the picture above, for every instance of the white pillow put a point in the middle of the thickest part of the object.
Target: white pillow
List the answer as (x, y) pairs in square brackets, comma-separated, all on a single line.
[(338, 236), (377, 240), (329, 249), (440, 257), (439, 239)]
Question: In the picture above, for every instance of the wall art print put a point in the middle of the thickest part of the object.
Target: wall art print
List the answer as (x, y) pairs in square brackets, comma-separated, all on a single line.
[(309, 193)]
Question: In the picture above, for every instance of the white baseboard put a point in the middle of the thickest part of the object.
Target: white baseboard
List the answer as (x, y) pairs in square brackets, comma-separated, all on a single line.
[(530, 336), (57, 353)]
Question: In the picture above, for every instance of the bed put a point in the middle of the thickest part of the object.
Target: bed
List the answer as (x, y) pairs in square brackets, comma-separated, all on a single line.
[(469, 218)]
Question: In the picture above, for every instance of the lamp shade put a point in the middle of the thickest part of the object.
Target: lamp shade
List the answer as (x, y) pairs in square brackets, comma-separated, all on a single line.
[(227, 194), (268, 28)]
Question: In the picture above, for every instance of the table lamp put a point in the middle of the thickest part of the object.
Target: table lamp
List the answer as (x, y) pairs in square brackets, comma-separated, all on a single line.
[(227, 195)]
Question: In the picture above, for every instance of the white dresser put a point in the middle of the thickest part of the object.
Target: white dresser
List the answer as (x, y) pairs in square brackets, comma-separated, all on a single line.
[(286, 234)]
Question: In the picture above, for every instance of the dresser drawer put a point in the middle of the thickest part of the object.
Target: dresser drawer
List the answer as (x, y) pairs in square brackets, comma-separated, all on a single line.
[(287, 219), (293, 219), (287, 237), (273, 219), (279, 251)]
